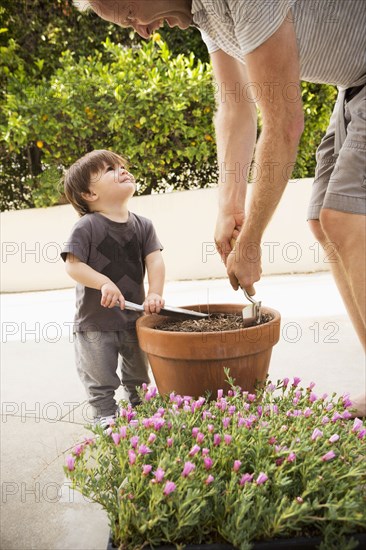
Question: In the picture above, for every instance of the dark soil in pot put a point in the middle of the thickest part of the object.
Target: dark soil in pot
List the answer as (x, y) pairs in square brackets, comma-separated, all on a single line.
[(216, 322)]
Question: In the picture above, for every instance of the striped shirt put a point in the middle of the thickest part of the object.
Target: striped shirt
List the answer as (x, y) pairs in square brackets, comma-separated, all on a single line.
[(330, 34)]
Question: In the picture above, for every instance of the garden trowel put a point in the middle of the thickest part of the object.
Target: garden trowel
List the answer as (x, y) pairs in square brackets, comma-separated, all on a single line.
[(176, 312), (251, 312)]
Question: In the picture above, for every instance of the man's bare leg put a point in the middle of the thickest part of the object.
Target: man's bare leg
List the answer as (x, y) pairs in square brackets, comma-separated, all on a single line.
[(343, 236)]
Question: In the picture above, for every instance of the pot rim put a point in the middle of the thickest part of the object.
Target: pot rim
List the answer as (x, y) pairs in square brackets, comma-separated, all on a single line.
[(203, 308)]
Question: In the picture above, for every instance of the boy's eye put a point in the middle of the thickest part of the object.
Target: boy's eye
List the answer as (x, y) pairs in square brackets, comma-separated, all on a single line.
[(109, 168)]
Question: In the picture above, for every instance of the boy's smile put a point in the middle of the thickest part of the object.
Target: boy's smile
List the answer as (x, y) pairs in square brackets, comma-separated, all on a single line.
[(113, 184)]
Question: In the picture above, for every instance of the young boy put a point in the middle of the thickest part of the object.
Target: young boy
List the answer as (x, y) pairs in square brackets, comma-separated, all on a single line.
[(107, 253)]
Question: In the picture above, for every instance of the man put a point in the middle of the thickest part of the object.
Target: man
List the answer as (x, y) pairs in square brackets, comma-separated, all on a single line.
[(260, 50)]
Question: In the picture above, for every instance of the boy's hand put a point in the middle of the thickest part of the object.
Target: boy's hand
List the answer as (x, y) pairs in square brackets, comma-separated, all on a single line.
[(111, 294), (153, 303)]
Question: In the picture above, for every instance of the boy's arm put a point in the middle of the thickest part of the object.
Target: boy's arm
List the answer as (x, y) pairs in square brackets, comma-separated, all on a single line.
[(87, 276), (155, 275)]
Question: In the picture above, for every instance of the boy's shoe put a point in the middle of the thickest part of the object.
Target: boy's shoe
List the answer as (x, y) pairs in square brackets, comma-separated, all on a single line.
[(104, 421)]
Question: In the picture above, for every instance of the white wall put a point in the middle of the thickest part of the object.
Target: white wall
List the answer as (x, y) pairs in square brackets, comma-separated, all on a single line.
[(31, 240)]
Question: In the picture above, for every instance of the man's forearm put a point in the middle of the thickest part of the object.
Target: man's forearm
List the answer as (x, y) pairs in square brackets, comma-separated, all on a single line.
[(236, 134), (274, 159)]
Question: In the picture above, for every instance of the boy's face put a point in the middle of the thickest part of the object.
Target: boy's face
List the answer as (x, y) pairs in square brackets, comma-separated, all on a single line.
[(112, 184), (145, 16)]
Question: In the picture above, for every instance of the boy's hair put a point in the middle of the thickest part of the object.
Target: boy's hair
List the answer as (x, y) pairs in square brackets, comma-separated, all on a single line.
[(78, 177)]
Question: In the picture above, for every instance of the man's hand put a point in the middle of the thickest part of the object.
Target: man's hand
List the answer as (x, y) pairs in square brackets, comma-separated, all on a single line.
[(153, 303), (244, 264), (228, 227), (111, 294)]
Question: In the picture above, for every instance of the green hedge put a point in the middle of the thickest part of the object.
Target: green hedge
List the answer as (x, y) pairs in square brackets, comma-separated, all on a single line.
[(56, 107)]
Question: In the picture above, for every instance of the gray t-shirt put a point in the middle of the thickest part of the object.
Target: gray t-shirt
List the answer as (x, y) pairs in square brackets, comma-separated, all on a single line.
[(331, 37), (118, 250)]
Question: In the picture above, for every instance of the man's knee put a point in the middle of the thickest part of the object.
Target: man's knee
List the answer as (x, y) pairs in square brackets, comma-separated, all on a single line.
[(317, 230), (338, 227)]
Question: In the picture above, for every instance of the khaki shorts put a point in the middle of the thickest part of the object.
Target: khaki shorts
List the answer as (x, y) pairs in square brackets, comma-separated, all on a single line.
[(340, 176)]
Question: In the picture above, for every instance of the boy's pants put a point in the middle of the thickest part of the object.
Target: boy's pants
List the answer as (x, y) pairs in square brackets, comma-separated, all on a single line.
[(97, 357)]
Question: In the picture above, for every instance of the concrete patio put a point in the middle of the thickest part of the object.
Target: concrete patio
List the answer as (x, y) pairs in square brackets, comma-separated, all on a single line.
[(44, 407)]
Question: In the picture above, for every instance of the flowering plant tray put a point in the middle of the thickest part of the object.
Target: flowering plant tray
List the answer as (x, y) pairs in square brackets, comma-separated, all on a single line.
[(251, 470), (299, 543)]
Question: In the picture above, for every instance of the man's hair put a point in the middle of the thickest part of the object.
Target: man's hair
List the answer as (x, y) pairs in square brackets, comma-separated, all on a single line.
[(79, 176), (82, 5)]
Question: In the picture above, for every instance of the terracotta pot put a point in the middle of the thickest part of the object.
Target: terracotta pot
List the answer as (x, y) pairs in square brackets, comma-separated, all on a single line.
[(192, 363)]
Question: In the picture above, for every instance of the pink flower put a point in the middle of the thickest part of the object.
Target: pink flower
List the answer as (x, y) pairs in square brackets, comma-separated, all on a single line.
[(134, 441), (158, 423), (311, 385), (217, 440), (299, 500), (312, 397), (246, 478), (316, 433), (200, 437), (208, 462), (227, 439), (70, 463), (226, 421), (150, 394), (209, 479), (116, 437), (262, 478), (188, 468), (123, 432), (296, 381), (210, 428), (251, 397), (169, 488), (272, 440), (291, 457), (220, 393), (195, 449), (205, 451), (325, 420), (285, 382), (169, 441), (143, 450), (328, 456), (346, 415), (146, 469), (78, 450), (151, 438), (159, 475), (195, 432), (346, 401), (357, 425), (361, 434), (333, 438), (308, 412), (336, 416), (237, 465), (131, 457)]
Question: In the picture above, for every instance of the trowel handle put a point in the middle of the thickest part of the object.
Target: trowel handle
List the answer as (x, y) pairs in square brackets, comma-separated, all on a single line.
[(249, 296)]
